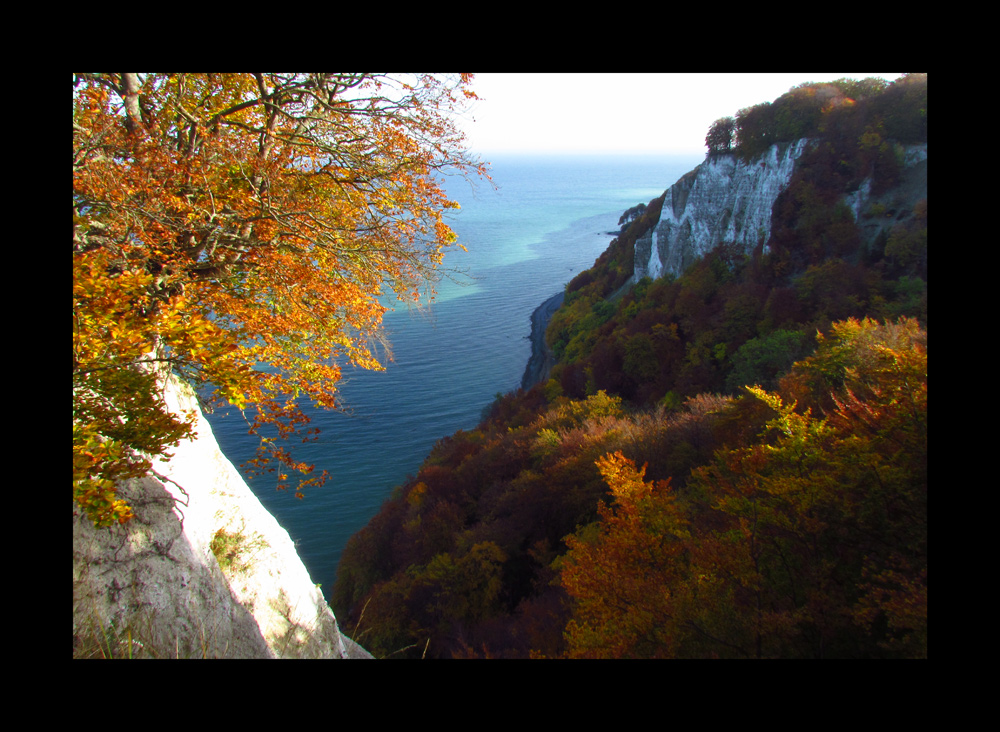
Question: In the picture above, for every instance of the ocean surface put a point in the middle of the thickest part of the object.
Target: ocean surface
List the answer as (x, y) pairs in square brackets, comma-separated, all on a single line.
[(548, 220)]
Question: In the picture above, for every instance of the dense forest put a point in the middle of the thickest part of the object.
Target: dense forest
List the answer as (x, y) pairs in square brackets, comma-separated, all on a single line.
[(727, 463)]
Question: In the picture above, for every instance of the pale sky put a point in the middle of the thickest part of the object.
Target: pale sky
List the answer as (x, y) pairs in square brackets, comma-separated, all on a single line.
[(614, 113)]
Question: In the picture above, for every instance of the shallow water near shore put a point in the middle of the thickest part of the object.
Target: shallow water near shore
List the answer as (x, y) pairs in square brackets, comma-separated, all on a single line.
[(548, 222)]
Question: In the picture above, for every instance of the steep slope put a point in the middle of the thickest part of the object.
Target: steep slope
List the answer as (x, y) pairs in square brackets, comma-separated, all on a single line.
[(726, 199), (724, 282), (723, 199), (157, 582)]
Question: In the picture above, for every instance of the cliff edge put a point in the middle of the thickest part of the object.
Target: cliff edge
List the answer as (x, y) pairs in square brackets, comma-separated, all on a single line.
[(723, 199), (730, 200), (202, 571)]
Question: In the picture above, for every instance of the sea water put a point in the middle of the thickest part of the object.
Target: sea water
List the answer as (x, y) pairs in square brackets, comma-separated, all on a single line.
[(548, 219)]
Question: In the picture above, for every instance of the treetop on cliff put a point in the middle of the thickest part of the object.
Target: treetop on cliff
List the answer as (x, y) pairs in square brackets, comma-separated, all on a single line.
[(852, 107)]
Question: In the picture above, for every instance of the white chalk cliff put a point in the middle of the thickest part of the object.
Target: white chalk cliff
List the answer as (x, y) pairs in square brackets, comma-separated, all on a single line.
[(154, 587), (723, 199), (729, 200)]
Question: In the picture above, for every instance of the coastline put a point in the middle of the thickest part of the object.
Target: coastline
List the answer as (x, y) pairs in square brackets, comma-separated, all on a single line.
[(542, 359)]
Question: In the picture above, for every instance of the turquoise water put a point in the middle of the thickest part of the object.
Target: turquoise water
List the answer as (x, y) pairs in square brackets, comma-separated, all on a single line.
[(547, 222)]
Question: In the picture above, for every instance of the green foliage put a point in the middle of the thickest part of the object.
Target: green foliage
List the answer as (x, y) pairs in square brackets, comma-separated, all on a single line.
[(860, 89), (460, 589), (903, 106), (553, 390), (898, 110), (754, 130), (119, 416), (567, 323), (906, 247), (640, 361), (546, 443), (761, 360), (235, 551), (804, 498), (909, 297), (808, 540), (593, 407), (854, 354), (670, 401), (720, 135)]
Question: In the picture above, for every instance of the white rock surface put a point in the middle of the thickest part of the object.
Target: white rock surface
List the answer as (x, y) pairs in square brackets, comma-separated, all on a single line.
[(723, 199), (728, 200), (157, 579)]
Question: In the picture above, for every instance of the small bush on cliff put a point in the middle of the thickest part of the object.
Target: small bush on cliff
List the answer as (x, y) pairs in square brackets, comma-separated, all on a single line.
[(235, 551)]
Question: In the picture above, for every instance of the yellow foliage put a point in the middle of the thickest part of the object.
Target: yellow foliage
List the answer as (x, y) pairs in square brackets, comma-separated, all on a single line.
[(619, 572), (625, 481), (224, 221)]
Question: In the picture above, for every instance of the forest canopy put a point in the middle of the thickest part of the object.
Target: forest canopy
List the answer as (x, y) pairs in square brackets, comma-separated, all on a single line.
[(869, 107), (242, 230), (728, 462)]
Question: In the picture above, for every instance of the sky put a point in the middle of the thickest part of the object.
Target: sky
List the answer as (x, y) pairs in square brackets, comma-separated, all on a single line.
[(614, 113)]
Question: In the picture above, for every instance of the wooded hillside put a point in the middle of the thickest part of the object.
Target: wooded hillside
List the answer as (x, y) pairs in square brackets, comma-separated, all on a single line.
[(729, 463)]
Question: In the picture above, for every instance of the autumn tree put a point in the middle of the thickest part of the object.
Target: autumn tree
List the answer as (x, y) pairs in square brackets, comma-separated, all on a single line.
[(622, 571), (243, 230), (810, 540), (822, 524)]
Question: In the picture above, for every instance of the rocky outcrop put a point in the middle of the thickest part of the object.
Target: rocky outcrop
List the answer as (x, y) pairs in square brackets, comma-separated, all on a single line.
[(203, 570), (723, 199), (729, 200)]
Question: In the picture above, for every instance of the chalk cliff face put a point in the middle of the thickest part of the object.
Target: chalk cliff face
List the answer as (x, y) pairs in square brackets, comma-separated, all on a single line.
[(157, 584), (723, 199), (728, 200)]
